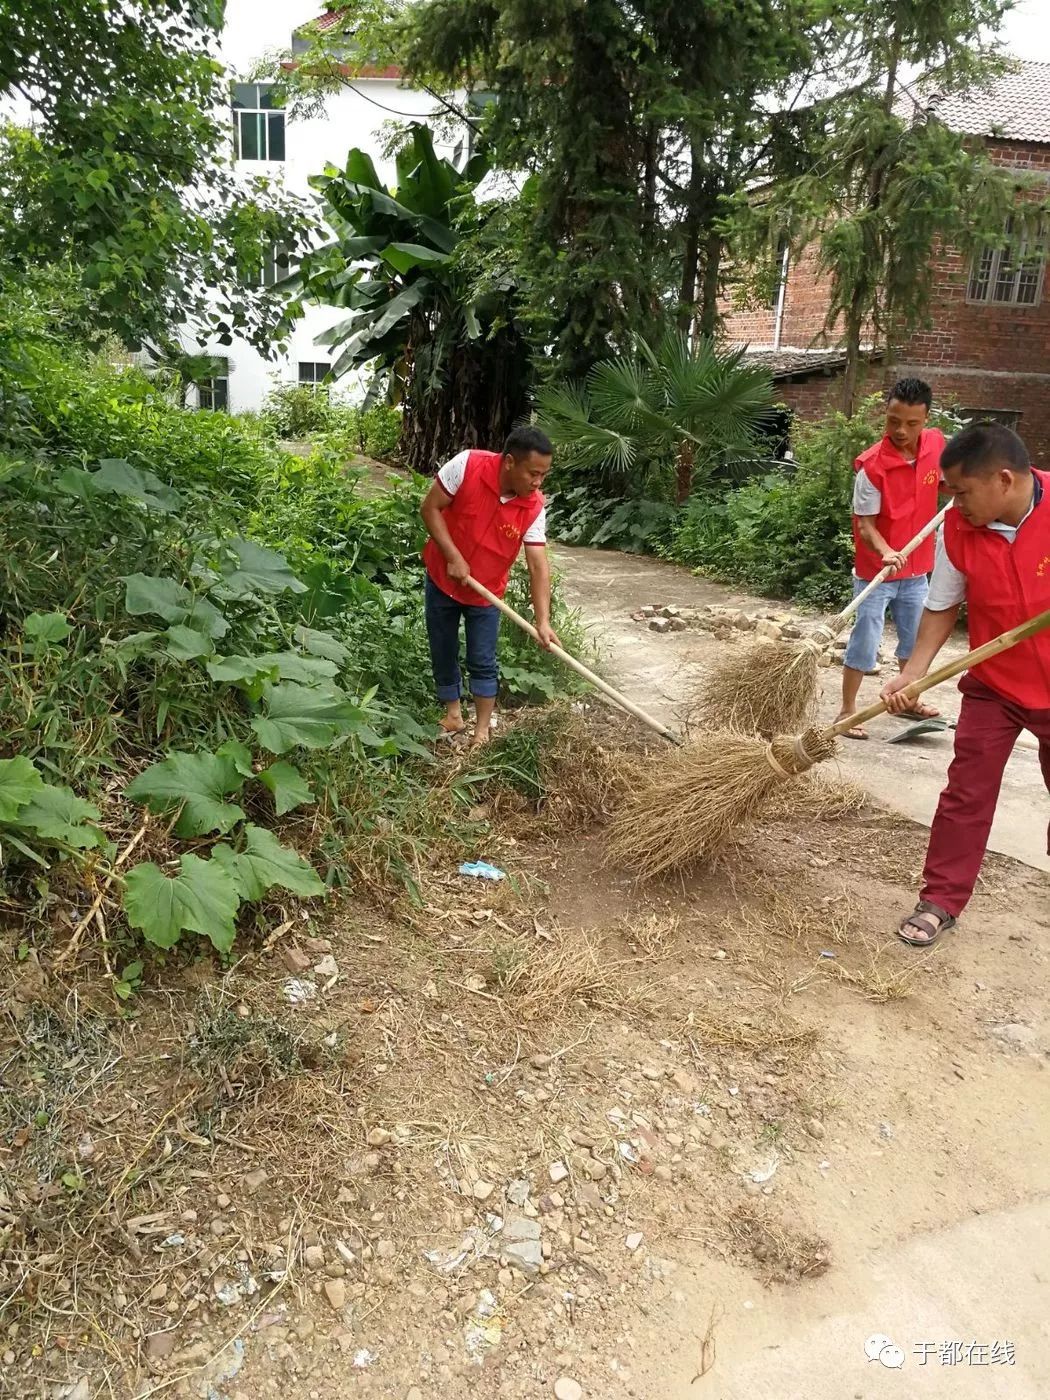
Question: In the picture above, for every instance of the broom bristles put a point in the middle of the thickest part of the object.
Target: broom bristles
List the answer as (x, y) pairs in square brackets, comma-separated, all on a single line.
[(767, 688), (694, 801)]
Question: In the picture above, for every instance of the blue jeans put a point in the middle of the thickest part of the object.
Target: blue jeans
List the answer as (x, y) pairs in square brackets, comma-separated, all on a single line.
[(905, 598), (482, 627)]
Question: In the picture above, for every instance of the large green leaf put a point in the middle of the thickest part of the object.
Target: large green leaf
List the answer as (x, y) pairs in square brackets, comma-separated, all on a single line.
[(299, 715), (239, 755), (19, 783), (259, 570), (196, 782), (57, 814), (241, 670), (118, 478), (160, 597), (290, 789), (403, 257), (163, 597), (360, 169), (46, 629), (273, 665), (322, 644), (186, 644), (265, 864), (202, 898)]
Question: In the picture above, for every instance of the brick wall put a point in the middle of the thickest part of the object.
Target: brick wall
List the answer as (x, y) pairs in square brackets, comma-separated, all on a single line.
[(805, 310), (1026, 395), (822, 393), (987, 355), (982, 355)]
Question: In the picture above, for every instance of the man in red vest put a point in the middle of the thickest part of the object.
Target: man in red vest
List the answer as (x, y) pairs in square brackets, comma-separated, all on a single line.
[(994, 553), (481, 509), (894, 496)]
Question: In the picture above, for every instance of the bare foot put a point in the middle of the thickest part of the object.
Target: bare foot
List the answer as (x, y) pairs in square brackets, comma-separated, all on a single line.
[(481, 738), (452, 725)]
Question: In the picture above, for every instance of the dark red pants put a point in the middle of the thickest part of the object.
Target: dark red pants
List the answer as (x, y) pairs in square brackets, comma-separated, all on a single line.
[(989, 726)]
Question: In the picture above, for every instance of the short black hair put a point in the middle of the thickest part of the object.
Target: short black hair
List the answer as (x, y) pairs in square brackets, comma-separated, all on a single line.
[(524, 440), (912, 391), (983, 448)]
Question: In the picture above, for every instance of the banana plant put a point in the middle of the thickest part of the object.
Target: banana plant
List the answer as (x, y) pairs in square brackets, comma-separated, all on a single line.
[(440, 341)]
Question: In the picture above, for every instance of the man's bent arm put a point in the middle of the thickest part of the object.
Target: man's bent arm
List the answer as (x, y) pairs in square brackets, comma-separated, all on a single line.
[(435, 503), (872, 538), (934, 630), (539, 583)]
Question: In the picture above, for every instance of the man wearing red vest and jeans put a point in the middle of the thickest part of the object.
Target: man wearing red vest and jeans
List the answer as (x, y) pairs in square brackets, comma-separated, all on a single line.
[(482, 508), (994, 553), (894, 496)]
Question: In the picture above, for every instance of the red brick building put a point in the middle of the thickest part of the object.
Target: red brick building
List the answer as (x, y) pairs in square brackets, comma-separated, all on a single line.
[(987, 350)]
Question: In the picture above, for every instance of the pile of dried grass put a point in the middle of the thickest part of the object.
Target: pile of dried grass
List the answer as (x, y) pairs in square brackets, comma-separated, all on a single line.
[(651, 935), (571, 970), (685, 808), (766, 688), (882, 977), (786, 1254), (741, 1028), (576, 781)]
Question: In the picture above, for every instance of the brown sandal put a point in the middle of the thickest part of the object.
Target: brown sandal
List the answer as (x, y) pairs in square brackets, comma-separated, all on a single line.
[(928, 919)]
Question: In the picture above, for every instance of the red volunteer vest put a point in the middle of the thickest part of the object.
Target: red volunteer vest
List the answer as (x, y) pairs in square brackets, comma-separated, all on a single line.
[(909, 501), (1006, 584), (486, 531)]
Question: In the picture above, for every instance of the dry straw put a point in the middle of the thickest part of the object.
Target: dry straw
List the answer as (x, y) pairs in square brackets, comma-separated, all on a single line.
[(769, 688), (765, 688), (691, 805)]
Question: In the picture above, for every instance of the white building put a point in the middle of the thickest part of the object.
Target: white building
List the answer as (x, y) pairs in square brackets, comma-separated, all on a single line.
[(271, 142)]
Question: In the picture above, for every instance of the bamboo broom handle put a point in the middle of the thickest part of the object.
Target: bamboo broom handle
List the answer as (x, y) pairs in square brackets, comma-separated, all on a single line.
[(839, 621), (951, 668), (574, 665)]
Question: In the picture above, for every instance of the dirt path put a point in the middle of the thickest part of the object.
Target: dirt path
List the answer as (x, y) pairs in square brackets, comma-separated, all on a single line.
[(934, 1188), (559, 1129), (661, 672)]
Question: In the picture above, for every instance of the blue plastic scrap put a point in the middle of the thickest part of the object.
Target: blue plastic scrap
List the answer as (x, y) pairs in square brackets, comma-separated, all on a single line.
[(481, 870)]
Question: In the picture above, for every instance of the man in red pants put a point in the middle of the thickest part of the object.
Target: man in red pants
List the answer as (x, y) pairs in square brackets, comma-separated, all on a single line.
[(994, 552)]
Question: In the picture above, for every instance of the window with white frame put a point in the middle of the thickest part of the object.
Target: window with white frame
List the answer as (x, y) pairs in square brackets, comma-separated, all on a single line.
[(1011, 275), (258, 127), (213, 393), (312, 374)]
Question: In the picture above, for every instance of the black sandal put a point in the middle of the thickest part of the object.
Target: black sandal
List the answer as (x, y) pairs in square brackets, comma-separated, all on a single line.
[(945, 922)]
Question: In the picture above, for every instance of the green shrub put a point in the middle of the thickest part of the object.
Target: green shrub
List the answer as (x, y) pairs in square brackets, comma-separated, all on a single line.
[(789, 533), (297, 411)]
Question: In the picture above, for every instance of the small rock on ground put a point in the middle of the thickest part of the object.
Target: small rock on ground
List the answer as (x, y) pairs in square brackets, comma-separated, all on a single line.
[(565, 1388)]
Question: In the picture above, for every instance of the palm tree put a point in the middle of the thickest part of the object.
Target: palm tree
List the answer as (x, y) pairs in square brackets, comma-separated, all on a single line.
[(686, 402)]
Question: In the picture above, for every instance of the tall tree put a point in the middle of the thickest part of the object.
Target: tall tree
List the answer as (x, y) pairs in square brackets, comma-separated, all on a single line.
[(879, 185), (126, 169)]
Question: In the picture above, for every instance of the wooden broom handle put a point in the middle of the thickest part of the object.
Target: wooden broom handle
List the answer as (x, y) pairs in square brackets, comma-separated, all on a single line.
[(574, 665), (839, 621), (952, 668)]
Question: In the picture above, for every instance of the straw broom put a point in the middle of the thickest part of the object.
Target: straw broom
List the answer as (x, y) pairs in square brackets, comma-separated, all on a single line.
[(693, 803), (770, 688)]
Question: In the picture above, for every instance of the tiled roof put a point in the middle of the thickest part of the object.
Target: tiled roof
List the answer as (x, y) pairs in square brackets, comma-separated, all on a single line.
[(329, 20), (798, 364), (1014, 106)]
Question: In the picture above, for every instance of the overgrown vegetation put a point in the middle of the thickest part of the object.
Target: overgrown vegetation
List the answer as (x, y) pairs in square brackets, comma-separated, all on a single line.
[(299, 411), (214, 657), (787, 533)]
